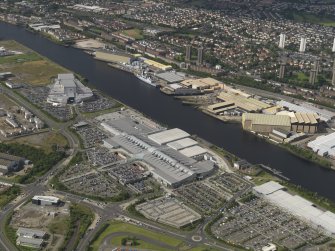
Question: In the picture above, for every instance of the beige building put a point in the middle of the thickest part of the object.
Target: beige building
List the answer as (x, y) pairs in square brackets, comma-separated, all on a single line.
[(302, 122), (263, 123), (206, 84), (247, 104)]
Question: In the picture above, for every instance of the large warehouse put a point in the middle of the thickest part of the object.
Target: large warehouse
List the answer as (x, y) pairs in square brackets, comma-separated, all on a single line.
[(171, 156), (45, 200), (324, 115), (302, 122), (10, 163), (264, 123), (324, 145), (167, 136), (203, 84), (68, 89), (247, 104), (297, 206)]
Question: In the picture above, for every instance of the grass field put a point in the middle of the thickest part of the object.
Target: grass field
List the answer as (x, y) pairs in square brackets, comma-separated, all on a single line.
[(30, 67), (305, 17), (43, 140), (134, 33), (301, 77), (116, 227), (132, 230), (6, 102)]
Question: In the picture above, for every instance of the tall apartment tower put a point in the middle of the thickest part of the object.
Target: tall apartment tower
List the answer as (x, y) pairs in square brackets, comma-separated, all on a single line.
[(282, 39), (333, 50), (333, 79), (200, 55), (314, 72), (302, 44), (282, 70), (188, 53)]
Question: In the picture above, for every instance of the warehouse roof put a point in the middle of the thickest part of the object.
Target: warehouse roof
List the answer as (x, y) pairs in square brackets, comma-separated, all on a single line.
[(325, 115), (168, 136), (182, 143), (171, 77), (220, 104), (268, 187), (201, 82), (157, 65), (51, 199), (32, 241), (247, 104), (193, 151), (30, 232), (265, 119)]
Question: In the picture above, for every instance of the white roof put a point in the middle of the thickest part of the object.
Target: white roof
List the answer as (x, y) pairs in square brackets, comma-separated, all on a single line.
[(46, 198), (301, 208), (268, 188), (193, 151), (182, 143), (168, 136)]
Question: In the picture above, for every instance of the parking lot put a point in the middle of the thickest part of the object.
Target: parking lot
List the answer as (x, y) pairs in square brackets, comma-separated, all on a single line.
[(101, 156), (201, 197), (38, 96), (98, 103), (128, 173), (229, 183), (93, 184), (91, 136), (257, 223), (168, 211)]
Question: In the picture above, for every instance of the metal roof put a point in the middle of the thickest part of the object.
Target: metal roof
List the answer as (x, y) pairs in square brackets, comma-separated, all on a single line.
[(268, 187), (182, 143), (168, 136), (52, 199), (171, 77), (266, 119), (193, 151)]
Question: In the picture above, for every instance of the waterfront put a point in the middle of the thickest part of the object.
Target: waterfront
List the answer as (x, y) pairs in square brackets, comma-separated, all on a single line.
[(148, 100)]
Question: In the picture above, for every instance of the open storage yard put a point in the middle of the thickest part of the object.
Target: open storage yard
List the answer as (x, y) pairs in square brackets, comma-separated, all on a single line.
[(91, 136), (51, 219)]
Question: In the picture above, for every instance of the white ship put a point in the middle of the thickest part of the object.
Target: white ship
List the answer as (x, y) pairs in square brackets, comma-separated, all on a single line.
[(146, 79)]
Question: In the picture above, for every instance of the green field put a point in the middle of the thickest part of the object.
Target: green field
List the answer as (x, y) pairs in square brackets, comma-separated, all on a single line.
[(134, 33), (29, 67), (306, 17), (46, 141), (126, 230)]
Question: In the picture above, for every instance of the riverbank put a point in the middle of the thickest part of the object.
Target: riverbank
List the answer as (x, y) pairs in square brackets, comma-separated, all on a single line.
[(168, 111)]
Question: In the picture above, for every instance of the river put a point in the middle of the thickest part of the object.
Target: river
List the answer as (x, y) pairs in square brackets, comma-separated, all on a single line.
[(151, 102)]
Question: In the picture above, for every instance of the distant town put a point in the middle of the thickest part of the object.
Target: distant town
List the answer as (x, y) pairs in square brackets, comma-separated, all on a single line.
[(82, 170)]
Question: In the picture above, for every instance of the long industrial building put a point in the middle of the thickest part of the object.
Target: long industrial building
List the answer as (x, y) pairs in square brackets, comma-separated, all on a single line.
[(171, 156), (68, 89), (247, 104), (46, 200), (324, 145), (297, 206), (264, 123), (205, 84), (302, 122), (324, 114)]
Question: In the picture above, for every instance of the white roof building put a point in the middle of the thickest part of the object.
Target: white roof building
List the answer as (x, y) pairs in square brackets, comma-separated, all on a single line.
[(168, 136), (67, 87), (193, 151), (182, 143), (298, 206), (323, 145)]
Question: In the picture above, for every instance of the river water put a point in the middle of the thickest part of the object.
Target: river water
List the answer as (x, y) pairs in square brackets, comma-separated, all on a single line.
[(151, 102)]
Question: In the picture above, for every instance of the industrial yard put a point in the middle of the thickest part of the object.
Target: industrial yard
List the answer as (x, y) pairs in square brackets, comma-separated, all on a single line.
[(51, 220)]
